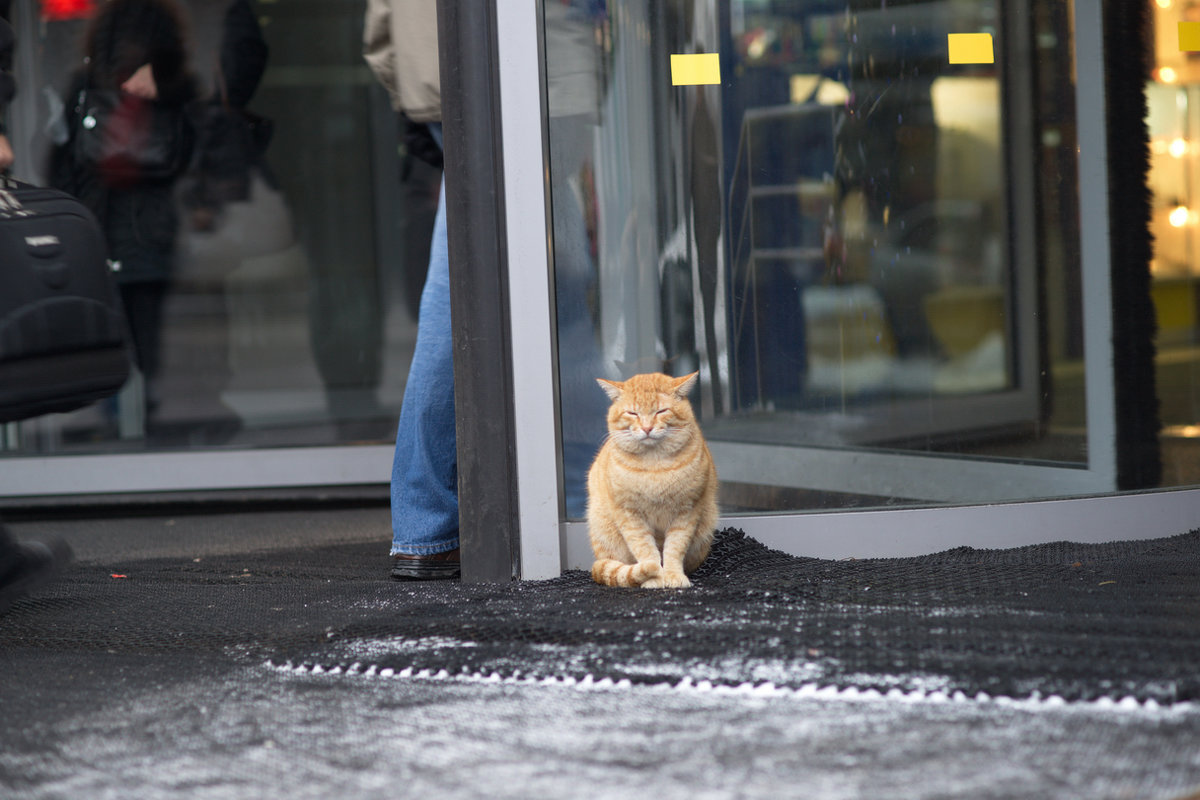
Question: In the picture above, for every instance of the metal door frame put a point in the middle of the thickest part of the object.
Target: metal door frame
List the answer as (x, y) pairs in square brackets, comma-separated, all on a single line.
[(267, 468)]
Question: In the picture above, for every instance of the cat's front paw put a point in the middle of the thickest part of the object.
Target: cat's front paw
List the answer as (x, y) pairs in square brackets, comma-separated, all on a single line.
[(674, 579), (669, 579)]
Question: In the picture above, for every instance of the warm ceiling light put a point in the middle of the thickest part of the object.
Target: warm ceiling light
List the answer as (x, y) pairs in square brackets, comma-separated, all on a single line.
[(1178, 148), (1164, 3), (1179, 216), (1167, 75)]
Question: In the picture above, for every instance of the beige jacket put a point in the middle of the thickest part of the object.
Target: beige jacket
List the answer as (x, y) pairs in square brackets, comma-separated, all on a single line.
[(400, 44)]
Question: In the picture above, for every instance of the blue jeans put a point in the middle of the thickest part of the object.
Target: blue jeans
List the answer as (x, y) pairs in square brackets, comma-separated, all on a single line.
[(425, 465)]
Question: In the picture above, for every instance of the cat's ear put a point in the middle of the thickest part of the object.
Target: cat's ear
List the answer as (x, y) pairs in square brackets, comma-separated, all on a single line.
[(611, 388), (683, 386)]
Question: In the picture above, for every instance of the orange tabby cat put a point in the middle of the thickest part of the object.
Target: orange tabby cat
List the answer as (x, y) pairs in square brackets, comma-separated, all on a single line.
[(652, 490)]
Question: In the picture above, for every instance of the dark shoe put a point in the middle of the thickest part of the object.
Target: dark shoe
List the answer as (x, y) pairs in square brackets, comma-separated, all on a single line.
[(436, 567), (31, 565)]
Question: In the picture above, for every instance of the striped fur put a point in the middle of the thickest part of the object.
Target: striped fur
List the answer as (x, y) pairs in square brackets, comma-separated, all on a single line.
[(608, 572)]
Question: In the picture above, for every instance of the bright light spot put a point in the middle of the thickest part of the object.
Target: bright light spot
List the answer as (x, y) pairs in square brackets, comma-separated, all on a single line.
[(1164, 3), (1179, 216), (1182, 431), (1167, 75), (1178, 148), (758, 47)]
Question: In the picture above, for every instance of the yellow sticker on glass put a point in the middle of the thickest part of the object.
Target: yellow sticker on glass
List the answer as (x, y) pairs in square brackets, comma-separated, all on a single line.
[(971, 48), (1189, 36), (695, 68)]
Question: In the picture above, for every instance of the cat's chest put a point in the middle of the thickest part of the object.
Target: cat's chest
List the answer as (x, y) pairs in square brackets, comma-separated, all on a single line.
[(647, 483)]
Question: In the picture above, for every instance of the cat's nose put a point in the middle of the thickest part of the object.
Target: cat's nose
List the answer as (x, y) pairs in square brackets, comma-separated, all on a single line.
[(648, 429)]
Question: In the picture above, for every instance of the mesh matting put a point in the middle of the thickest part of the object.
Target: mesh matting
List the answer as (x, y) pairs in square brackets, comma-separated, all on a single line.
[(1073, 620)]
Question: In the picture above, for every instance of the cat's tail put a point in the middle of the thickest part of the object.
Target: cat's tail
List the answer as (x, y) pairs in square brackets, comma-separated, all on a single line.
[(610, 572)]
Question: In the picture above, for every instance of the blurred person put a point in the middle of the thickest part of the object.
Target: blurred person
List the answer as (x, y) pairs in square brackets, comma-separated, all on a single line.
[(231, 210), (400, 45), (129, 139), (231, 140), (24, 566)]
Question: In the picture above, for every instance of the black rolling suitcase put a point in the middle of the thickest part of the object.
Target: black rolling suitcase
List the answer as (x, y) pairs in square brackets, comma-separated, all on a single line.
[(63, 341)]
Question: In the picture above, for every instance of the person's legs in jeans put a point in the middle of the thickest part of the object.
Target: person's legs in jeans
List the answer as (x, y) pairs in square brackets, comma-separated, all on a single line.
[(425, 466)]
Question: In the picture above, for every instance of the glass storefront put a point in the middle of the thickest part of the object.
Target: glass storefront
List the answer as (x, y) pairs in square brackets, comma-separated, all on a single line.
[(861, 223), (879, 231), (272, 285)]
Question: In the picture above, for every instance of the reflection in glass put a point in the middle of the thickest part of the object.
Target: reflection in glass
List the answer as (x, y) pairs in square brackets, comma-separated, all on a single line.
[(869, 259), (849, 236), (267, 280)]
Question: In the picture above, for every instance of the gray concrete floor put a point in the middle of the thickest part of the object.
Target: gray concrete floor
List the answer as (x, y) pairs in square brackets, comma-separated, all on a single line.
[(124, 724)]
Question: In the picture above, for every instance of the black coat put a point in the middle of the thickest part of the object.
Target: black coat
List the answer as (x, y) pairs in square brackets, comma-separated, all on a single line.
[(139, 217), (244, 53)]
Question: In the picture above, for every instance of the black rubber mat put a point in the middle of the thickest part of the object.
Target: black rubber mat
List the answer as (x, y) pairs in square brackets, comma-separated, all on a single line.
[(1076, 621)]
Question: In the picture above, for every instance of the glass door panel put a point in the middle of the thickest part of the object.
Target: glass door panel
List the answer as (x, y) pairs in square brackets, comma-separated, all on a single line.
[(859, 226), (280, 307)]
